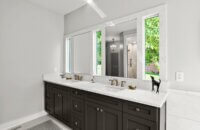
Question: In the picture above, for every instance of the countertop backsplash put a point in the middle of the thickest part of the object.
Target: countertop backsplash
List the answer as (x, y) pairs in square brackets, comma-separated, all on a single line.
[(143, 84)]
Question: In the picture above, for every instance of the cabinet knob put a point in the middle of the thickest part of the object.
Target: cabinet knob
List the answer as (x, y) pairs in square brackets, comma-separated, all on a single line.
[(101, 110), (75, 105), (137, 109), (98, 109), (137, 129), (76, 123)]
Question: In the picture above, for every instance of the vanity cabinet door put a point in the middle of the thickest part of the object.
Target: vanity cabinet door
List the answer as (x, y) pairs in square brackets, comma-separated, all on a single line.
[(58, 103), (49, 99), (112, 119), (102, 118), (66, 107), (131, 122), (62, 105), (91, 116)]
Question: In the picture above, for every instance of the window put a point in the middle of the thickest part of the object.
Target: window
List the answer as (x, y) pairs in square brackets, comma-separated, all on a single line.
[(152, 43), (97, 53), (67, 55)]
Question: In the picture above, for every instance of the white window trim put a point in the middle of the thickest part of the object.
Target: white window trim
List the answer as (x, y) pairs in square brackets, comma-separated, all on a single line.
[(161, 11)]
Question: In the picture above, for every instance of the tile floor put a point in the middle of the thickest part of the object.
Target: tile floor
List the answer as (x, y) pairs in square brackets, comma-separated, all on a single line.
[(43, 123)]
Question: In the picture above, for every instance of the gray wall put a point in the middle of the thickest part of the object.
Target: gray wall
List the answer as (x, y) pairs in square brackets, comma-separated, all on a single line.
[(30, 45), (183, 32)]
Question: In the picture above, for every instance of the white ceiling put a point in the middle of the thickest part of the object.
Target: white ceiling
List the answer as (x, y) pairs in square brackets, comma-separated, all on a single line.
[(60, 6)]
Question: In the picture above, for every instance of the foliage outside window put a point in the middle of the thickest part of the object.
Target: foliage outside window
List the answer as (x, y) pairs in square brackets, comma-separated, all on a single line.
[(152, 40), (98, 52)]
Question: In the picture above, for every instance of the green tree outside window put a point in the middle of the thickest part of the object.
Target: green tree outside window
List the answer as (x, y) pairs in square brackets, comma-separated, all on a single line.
[(152, 40)]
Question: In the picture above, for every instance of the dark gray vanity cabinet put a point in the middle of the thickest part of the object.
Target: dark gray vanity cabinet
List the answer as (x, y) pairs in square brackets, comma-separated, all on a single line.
[(58, 102), (78, 109), (49, 98), (104, 112), (131, 122), (83, 110), (62, 105), (99, 117)]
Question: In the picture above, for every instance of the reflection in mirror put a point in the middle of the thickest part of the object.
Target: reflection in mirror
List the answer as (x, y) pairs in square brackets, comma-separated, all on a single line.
[(121, 49)]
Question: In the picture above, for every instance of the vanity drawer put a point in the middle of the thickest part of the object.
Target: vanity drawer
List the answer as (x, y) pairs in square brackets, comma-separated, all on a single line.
[(105, 100), (77, 93), (77, 122), (77, 105), (140, 110), (134, 123)]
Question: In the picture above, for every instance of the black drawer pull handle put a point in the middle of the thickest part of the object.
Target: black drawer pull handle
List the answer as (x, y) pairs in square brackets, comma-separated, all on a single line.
[(137, 109)]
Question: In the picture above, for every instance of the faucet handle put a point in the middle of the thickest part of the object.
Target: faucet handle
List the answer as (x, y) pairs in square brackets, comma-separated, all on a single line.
[(116, 82), (92, 79), (123, 83), (111, 81)]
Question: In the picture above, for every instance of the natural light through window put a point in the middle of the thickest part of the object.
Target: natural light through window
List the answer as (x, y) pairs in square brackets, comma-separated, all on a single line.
[(152, 42)]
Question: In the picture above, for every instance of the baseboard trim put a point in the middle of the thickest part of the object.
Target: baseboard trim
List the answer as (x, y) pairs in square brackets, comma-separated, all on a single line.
[(20, 121)]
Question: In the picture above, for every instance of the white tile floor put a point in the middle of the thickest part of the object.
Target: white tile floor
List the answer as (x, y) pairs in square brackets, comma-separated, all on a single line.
[(41, 120)]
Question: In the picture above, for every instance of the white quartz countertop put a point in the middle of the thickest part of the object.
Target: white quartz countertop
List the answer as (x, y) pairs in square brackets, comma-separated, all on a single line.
[(139, 95)]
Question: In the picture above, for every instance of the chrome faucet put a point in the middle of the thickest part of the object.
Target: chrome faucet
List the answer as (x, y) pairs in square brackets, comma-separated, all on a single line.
[(123, 83), (111, 82), (114, 82)]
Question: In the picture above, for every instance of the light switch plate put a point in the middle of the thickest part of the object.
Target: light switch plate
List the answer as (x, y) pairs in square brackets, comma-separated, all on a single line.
[(179, 76)]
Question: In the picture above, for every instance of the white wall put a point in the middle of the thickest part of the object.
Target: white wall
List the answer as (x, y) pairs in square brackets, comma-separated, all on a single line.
[(183, 110), (183, 32), (30, 45)]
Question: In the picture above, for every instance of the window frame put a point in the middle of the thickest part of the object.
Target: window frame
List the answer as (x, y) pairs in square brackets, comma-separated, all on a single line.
[(161, 12)]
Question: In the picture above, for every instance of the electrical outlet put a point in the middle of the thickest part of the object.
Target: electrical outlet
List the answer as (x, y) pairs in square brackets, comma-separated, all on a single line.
[(179, 76)]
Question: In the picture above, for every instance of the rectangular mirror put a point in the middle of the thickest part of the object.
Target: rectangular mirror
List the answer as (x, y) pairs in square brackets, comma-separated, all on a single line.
[(130, 47), (121, 49)]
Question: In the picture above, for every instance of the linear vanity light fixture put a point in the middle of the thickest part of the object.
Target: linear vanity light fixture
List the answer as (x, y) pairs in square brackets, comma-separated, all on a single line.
[(96, 8)]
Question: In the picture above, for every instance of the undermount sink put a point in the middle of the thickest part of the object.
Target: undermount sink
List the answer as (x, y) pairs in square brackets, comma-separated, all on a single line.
[(71, 81), (110, 88), (114, 88)]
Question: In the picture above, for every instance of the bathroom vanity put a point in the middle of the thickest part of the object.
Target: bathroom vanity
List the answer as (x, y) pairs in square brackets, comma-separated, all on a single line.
[(92, 106)]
